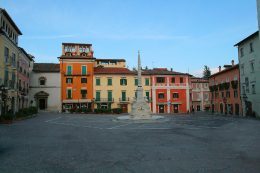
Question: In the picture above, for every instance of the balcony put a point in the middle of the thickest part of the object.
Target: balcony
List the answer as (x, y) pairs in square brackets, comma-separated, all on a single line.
[(124, 99), (178, 84), (104, 100), (77, 74)]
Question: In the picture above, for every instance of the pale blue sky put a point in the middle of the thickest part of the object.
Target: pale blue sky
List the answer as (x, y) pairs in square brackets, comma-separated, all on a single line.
[(179, 34)]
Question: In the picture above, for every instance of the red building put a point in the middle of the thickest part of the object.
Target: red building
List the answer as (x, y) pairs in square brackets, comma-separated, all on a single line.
[(225, 91), (170, 91)]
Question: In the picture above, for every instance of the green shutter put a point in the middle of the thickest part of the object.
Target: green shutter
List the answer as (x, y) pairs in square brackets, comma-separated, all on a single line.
[(97, 81), (69, 94), (123, 96), (121, 81), (97, 95), (147, 94), (109, 95), (109, 81), (136, 82), (69, 70), (83, 70), (125, 81), (147, 82)]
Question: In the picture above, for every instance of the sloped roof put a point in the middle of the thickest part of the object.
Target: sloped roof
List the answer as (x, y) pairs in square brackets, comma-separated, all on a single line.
[(46, 67), (247, 38), (112, 70), (225, 70), (161, 71), (10, 20)]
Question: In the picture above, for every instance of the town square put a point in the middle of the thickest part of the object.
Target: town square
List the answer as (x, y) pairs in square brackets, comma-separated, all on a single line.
[(129, 86)]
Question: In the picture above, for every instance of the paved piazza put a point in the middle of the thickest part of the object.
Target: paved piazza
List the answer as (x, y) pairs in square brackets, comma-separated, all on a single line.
[(69, 143)]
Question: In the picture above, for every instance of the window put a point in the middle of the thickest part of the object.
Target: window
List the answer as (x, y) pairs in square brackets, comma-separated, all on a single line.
[(83, 70), (235, 94), (173, 80), (241, 52), (97, 81), (123, 81), (147, 82), (69, 70), (6, 78), (109, 81), (109, 95), (83, 93), (160, 80), (69, 80), (123, 94), (136, 82), (228, 94), (42, 81), (247, 84), (253, 88), (243, 90), (252, 66), (222, 94), (147, 94), (97, 95), (242, 69), (6, 54), (181, 80), (161, 95), (13, 60), (69, 93), (251, 47), (175, 95), (84, 80)]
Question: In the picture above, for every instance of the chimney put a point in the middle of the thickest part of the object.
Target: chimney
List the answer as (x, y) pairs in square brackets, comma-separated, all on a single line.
[(219, 68), (233, 63)]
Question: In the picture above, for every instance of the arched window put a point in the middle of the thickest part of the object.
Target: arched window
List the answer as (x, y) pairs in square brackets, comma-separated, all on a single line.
[(42, 81)]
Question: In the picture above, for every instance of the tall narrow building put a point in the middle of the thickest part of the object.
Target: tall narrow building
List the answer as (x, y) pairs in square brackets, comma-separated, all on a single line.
[(76, 70)]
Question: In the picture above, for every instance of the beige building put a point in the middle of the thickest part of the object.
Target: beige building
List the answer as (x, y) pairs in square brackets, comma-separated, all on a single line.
[(114, 87), (9, 52)]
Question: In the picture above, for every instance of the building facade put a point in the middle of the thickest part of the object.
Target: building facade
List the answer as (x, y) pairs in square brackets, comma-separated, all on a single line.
[(200, 94), (9, 51), (23, 72), (115, 87), (45, 87), (76, 70), (169, 91), (225, 91), (249, 64)]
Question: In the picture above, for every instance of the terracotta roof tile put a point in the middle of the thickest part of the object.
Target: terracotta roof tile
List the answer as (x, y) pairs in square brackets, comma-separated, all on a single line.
[(112, 70), (46, 67)]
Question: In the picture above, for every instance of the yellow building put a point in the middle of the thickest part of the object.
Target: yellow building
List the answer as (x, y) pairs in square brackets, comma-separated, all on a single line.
[(9, 52), (114, 87)]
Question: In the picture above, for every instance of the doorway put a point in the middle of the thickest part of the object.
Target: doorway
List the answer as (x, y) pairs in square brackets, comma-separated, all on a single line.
[(198, 107), (237, 109), (124, 108), (161, 109), (42, 104), (221, 108), (175, 108)]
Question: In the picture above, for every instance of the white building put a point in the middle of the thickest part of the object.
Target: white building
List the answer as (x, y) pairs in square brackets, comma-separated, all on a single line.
[(45, 85), (249, 66)]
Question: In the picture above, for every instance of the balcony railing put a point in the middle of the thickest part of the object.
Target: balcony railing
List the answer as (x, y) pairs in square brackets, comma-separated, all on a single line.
[(104, 100), (124, 99), (77, 74)]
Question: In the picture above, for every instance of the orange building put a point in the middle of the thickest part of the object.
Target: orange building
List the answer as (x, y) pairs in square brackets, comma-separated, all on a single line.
[(76, 70), (170, 91)]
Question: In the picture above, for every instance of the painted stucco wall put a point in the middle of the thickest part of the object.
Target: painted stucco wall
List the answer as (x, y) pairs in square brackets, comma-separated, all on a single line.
[(52, 87), (117, 89), (246, 72)]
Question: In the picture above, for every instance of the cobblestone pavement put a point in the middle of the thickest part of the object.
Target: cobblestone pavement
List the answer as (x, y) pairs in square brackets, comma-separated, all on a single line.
[(69, 143)]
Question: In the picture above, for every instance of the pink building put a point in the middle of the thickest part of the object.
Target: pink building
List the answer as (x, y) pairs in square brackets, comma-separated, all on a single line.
[(225, 91), (23, 66), (200, 94)]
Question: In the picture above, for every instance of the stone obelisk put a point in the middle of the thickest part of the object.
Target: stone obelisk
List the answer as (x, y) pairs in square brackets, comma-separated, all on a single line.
[(140, 108)]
